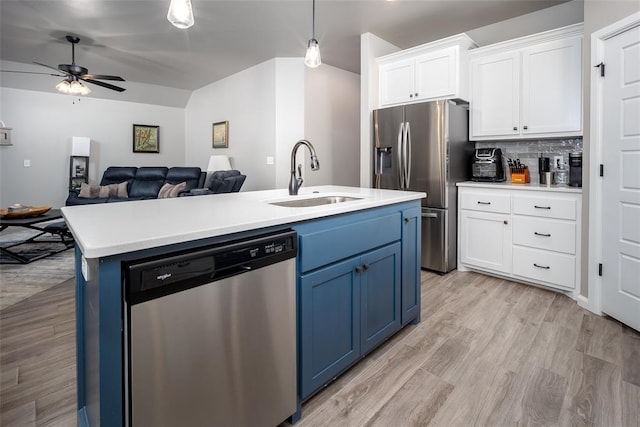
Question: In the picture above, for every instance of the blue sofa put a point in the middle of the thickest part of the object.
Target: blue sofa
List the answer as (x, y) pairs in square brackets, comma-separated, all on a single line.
[(142, 183)]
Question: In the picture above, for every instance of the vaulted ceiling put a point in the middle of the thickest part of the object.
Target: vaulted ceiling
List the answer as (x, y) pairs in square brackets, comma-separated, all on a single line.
[(134, 39)]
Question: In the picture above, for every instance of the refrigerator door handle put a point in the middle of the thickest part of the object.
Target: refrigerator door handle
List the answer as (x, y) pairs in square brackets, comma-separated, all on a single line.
[(429, 215), (401, 154), (407, 155)]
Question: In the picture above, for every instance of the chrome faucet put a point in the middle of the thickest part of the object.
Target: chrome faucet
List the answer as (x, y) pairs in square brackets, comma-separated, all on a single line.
[(296, 182)]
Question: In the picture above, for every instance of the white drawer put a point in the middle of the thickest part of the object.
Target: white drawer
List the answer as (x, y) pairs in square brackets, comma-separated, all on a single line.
[(545, 205), (548, 234), (548, 267), (486, 201)]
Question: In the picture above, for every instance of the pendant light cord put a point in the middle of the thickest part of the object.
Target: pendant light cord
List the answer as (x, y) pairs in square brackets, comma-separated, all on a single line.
[(313, 20)]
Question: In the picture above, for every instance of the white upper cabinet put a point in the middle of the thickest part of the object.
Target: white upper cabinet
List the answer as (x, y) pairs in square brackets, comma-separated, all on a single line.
[(431, 71), (528, 88)]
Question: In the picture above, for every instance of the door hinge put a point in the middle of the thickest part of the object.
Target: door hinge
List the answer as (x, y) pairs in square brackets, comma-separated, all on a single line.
[(600, 270), (601, 170), (601, 66)]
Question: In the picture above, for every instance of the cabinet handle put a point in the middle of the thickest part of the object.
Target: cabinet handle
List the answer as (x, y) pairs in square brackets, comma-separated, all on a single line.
[(541, 234), (483, 203), (358, 270), (416, 94), (515, 128), (505, 222), (541, 207), (406, 220), (546, 267), (525, 127), (366, 267), (411, 95)]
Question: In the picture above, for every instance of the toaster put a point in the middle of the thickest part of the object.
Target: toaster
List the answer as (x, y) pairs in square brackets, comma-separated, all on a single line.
[(487, 165)]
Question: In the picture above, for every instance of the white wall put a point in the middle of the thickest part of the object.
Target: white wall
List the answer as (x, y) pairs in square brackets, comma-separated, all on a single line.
[(564, 14), (290, 114), (332, 124), (371, 47), (43, 124), (247, 101)]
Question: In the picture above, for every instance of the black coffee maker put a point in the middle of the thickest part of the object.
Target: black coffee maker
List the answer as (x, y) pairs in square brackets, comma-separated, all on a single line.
[(575, 169)]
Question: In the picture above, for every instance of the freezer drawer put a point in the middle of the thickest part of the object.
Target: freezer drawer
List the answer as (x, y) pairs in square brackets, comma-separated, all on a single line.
[(438, 242)]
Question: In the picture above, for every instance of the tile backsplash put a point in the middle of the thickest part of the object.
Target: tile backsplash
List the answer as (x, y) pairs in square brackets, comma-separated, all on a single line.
[(529, 151)]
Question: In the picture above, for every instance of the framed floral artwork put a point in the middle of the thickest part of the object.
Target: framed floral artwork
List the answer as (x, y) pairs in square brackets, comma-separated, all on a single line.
[(221, 135), (146, 139)]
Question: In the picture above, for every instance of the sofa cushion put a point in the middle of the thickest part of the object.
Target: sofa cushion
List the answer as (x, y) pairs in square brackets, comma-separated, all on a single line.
[(147, 182), (225, 181), (103, 191), (118, 174), (171, 190), (189, 175)]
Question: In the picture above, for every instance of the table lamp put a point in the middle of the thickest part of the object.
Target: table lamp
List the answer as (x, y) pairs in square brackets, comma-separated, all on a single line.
[(218, 163), (81, 146)]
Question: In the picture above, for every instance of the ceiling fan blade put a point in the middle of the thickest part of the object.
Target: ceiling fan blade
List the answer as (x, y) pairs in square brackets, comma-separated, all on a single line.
[(103, 84), (102, 77), (31, 72), (53, 68)]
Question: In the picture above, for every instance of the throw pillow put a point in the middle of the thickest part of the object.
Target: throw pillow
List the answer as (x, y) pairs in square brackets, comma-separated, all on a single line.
[(91, 191), (171, 190)]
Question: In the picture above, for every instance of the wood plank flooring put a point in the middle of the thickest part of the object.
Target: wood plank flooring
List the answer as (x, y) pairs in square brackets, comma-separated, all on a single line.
[(488, 352)]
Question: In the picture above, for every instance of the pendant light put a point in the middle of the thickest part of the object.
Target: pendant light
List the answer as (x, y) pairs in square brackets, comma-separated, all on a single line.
[(312, 58), (180, 14)]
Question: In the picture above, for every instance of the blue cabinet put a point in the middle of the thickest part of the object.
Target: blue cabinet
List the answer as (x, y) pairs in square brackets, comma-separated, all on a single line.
[(411, 245), (358, 284)]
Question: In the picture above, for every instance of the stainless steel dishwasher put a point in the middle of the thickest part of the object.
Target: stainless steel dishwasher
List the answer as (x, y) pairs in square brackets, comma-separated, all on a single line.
[(211, 335)]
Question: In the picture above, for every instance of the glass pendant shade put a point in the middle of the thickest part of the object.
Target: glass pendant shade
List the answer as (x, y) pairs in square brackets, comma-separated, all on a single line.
[(180, 13), (73, 87), (312, 57)]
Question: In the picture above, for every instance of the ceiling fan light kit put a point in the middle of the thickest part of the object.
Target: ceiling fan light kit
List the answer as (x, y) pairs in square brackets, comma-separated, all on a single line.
[(312, 57), (180, 14), (70, 86)]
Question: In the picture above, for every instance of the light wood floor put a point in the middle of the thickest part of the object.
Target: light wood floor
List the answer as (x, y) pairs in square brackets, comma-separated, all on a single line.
[(487, 352)]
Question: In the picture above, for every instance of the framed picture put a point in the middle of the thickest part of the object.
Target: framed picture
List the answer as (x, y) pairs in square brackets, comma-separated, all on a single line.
[(221, 135), (146, 139)]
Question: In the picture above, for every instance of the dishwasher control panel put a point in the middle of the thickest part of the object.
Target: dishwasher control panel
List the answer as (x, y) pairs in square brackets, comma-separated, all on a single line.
[(165, 274)]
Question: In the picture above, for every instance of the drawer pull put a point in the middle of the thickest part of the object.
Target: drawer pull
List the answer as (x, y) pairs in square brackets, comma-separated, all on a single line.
[(541, 207), (366, 267), (541, 234), (483, 203), (358, 270), (546, 267)]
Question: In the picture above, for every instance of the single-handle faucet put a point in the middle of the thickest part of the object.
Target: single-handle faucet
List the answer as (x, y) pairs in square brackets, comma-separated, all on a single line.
[(296, 182)]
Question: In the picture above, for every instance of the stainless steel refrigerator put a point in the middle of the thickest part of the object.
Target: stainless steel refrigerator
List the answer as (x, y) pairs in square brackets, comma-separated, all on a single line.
[(425, 147)]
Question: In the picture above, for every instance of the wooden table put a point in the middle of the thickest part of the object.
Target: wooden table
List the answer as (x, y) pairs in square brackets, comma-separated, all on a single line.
[(59, 233)]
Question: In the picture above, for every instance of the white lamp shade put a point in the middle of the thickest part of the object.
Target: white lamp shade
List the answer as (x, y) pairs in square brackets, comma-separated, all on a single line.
[(81, 146), (218, 163)]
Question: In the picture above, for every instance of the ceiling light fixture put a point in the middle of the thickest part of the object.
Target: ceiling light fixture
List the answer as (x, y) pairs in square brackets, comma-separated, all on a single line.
[(71, 86), (180, 14), (312, 57)]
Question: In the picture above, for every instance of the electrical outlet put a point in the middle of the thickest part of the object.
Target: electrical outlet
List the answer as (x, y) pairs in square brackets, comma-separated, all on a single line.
[(557, 159), (269, 160), (27, 163)]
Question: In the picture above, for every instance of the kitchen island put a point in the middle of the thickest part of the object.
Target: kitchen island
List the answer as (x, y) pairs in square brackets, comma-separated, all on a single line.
[(357, 276)]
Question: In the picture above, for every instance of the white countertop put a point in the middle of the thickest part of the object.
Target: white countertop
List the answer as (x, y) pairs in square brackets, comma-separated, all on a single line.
[(510, 186), (113, 228)]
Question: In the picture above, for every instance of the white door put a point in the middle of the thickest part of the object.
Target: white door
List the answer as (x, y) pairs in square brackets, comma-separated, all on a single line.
[(397, 82), (436, 74), (552, 88), (495, 96), (485, 240), (621, 181)]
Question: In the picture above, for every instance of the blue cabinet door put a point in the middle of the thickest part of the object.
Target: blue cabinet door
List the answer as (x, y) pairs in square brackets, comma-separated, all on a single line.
[(379, 295), (329, 324), (411, 247)]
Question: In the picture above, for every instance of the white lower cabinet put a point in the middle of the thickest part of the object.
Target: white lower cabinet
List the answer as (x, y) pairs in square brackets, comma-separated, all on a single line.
[(523, 234), (487, 242)]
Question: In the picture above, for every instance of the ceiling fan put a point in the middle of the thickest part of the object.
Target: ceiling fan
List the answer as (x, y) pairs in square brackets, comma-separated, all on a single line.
[(74, 74)]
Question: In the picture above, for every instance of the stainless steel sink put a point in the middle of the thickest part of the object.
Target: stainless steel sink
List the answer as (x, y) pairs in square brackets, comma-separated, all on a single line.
[(315, 201)]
